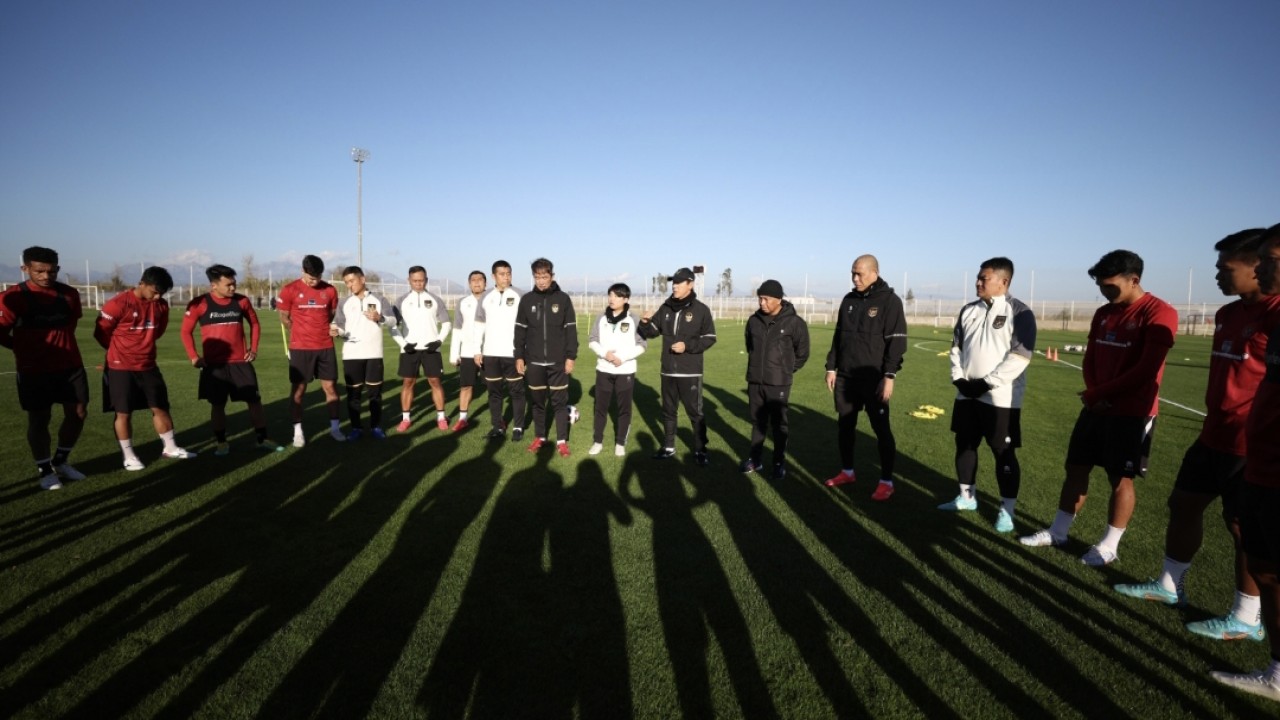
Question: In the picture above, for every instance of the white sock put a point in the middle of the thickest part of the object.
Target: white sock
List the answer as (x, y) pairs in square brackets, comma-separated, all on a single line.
[(966, 491), (1008, 504), (462, 414), (169, 444), (440, 415), (1174, 574), (126, 447), (405, 416), (334, 423), (885, 481), (1061, 524), (1247, 608), (561, 442), (1111, 538), (297, 429)]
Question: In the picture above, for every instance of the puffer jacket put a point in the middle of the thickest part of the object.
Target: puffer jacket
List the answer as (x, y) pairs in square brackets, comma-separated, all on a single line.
[(871, 335), (777, 346)]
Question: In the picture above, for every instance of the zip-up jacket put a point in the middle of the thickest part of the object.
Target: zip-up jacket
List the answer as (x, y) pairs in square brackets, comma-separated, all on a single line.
[(871, 335), (424, 319), (362, 337), (777, 346), (621, 334), (546, 328), (468, 332), (994, 344), (688, 321), (497, 318)]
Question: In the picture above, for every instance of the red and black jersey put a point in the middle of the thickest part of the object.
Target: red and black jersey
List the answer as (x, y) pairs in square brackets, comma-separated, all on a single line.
[(1235, 369), (39, 325), (128, 328), (310, 309), (1124, 360), (221, 328), (1262, 429)]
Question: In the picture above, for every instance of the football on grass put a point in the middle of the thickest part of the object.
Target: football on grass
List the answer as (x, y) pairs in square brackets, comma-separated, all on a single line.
[(573, 414)]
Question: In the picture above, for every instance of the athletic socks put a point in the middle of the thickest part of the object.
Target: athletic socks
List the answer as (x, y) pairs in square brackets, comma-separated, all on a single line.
[(45, 466), (220, 435), (1247, 608), (169, 444), (1008, 505), (440, 415), (1174, 574), (126, 447), (462, 414), (333, 424), (404, 416), (1111, 539), (60, 457), (1061, 525), (966, 492)]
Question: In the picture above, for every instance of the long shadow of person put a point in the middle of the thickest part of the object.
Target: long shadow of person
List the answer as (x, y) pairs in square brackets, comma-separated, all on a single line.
[(338, 678), (253, 559), (694, 595)]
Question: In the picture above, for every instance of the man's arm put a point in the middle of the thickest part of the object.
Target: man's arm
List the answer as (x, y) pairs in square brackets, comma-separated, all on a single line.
[(8, 316), (255, 330), (800, 343), (187, 331)]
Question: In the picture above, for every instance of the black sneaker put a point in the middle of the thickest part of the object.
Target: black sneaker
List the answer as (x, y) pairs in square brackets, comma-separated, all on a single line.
[(779, 472), (517, 434), (496, 434), (749, 466), (702, 459), (664, 454)]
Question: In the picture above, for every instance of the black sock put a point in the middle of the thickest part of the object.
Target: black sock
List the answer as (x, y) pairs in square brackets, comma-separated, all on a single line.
[(44, 466), (221, 435), (60, 457), (262, 434)]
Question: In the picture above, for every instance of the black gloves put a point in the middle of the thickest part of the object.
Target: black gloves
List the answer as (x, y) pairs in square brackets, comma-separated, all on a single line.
[(433, 346), (972, 389), (410, 348)]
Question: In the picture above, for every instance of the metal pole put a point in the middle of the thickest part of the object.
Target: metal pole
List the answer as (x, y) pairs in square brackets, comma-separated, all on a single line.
[(359, 155)]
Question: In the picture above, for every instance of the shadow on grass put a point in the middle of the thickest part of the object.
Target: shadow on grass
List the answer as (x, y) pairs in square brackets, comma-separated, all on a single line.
[(540, 630)]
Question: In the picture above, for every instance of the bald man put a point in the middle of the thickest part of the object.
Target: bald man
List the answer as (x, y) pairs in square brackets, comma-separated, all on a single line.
[(865, 357)]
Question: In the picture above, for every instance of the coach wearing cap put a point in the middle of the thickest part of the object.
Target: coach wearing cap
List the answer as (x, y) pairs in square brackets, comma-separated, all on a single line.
[(777, 346), (687, 331)]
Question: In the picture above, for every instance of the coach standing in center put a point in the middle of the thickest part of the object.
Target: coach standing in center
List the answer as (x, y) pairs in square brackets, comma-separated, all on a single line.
[(777, 346), (865, 357)]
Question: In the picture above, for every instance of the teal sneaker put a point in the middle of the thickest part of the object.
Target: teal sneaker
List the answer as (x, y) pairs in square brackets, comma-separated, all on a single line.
[(960, 504), (1228, 627), (1004, 523), (1152, 590)]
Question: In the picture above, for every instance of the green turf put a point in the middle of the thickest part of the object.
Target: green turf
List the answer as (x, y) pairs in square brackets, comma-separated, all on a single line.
[(442, 575)]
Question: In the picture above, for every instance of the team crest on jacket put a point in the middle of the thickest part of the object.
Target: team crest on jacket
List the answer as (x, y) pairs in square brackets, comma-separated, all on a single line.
[(625, 326), (688, 316), (873, 311), (999, 321), (511, 301), (430, 303), (555, 308)]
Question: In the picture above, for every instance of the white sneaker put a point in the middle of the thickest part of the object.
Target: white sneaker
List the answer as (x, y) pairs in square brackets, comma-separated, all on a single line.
[(595, 449), (51, 482), (299, 441), (1254, 683), (133, 464), (619, 450), (1097, 556), (337, 435), (1041, 539), (67, 472), (177, 453)]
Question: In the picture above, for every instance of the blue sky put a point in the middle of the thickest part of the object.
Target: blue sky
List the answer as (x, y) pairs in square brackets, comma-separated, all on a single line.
[(626, 139)]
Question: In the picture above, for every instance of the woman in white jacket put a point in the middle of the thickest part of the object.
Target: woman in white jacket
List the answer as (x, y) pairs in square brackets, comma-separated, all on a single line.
[(614, 340)]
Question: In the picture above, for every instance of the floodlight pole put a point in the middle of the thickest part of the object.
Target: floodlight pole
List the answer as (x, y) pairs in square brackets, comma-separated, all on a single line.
[(359, 155)]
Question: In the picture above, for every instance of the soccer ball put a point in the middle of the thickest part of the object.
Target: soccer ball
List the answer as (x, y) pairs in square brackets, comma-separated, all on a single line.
[(573, 414)]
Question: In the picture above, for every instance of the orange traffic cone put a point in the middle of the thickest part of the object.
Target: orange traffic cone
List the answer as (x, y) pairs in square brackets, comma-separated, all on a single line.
[(1055, 354)]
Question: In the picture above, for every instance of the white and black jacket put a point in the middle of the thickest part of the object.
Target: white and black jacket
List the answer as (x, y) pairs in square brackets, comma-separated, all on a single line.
[(621, 334), (497, 318), (994, 344), (468, 332), (421, 318), (362, 336)]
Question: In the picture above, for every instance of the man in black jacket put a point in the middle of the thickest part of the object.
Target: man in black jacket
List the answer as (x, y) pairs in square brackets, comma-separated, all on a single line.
[(546, 345), (866, 354), (687, 331), (777, 346)]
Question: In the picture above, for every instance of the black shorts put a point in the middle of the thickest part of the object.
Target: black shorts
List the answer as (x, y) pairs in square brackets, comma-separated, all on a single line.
[(40, 391), (124, 391), (1206, 471), (853, 395), (467, 372), (974, 420), (234, 381), (497, 369), (1259, 531), (362, 372), (1120, 444), (308, 365), (431, 364)]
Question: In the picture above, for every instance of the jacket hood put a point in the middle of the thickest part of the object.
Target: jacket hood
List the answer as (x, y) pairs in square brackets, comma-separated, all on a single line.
[(876, 288), (553, 288), (787, 309), (675, 304)]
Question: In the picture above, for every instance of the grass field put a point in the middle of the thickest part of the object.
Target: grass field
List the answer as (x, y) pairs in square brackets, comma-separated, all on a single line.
[(442, 575)]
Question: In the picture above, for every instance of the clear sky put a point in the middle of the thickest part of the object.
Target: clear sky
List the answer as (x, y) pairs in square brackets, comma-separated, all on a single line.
[(621, 140)]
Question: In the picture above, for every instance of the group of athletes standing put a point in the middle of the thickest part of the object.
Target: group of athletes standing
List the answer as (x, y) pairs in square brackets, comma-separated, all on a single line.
[(525, 345)]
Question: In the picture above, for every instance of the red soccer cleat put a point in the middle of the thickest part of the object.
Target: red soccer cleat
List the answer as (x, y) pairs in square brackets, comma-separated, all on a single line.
[(460, 425), (883, 492), (841, 478), (563, 449), (536, 445), (442, 424)]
